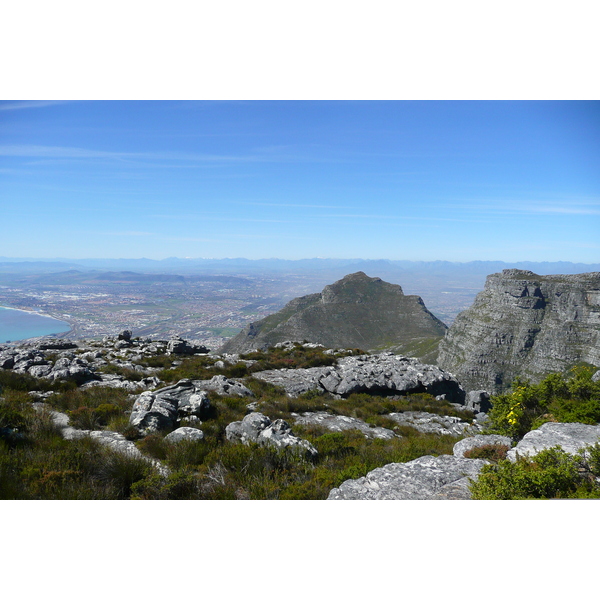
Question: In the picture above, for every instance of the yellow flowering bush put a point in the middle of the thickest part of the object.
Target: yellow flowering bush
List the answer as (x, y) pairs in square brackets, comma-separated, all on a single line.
[(556, 398)]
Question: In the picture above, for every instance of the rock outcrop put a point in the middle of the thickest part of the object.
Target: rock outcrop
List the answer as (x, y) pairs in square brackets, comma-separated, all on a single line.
[(524, 325), (113, 440), (165, 408), (431, 423), (571, 437), (355, 312), (337, 423), (259, 429), (223, 386), (383, 374), (427, 478), (184, 434)]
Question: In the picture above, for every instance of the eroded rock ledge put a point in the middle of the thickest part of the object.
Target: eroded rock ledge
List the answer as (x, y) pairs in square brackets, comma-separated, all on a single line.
[(379, 374)]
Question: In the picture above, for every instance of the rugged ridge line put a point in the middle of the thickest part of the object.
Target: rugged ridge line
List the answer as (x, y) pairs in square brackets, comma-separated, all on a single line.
[(355, 312), (524, 325)]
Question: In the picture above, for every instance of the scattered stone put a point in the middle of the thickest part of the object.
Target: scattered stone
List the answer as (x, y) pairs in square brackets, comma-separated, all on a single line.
[(56, 345), (426, 478), (295, 381), (343, 423), (40, 370), (431, 423), (259, 429), (223, 386), (184, 434), (119, 382)]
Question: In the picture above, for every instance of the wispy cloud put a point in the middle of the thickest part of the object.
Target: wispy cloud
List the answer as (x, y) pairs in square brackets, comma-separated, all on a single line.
[(76, 153), (127, 233), (588, 207), (286, 205), (427, 218), (24, 104), (205, 217)]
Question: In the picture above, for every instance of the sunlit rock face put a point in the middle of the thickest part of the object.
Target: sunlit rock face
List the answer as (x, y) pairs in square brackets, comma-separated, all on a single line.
[(524, 325)]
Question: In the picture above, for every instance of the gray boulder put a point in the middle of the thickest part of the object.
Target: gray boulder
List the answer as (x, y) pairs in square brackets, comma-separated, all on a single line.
[(40, 370), (119, 382), (259, 429), (571, 437), (248, 429), (193, 405), (478, 401), (7, 360), (382, 374), (295, 381), (343, 423), (56, 345), (164, 408), (426, 478), (596, 376), (477, 441), (223, 386), (177, 345), (184, 434)]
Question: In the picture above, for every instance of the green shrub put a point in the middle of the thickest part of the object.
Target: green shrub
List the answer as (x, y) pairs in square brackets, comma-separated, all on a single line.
[(550, 474), (9, 380), (567, 400), (126, 372), (178, 485), (153, 445), (15, 414)]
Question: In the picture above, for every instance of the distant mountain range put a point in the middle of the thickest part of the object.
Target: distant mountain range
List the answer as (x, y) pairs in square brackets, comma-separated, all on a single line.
[(182, 265)]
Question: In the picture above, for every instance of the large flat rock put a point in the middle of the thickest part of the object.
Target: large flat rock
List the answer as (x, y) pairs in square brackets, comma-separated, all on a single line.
[(427, 478), (571, 437), (379, 374)]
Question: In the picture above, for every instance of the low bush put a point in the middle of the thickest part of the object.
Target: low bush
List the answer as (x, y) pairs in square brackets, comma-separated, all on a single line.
[(493, 452), (296, 357), (575, 399), (552, 473)]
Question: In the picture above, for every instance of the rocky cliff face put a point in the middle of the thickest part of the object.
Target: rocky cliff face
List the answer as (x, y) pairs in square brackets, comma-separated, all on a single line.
[(525, 325), (355, 312)]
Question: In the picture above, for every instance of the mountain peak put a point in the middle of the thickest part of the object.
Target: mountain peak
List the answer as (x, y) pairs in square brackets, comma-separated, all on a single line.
[(357, 311)]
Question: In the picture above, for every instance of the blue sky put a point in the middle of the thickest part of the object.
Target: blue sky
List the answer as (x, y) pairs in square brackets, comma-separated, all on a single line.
[(412, 180)]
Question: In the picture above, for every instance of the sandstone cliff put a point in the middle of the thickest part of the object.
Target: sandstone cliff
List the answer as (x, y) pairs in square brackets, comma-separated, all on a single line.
[(525, 325), (355, 312)]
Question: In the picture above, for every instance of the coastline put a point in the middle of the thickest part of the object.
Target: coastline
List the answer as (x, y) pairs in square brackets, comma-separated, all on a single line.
[(45, 316), (33, 312)]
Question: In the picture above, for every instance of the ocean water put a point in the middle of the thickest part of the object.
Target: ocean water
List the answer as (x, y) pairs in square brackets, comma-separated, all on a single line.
[(18, 325)]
